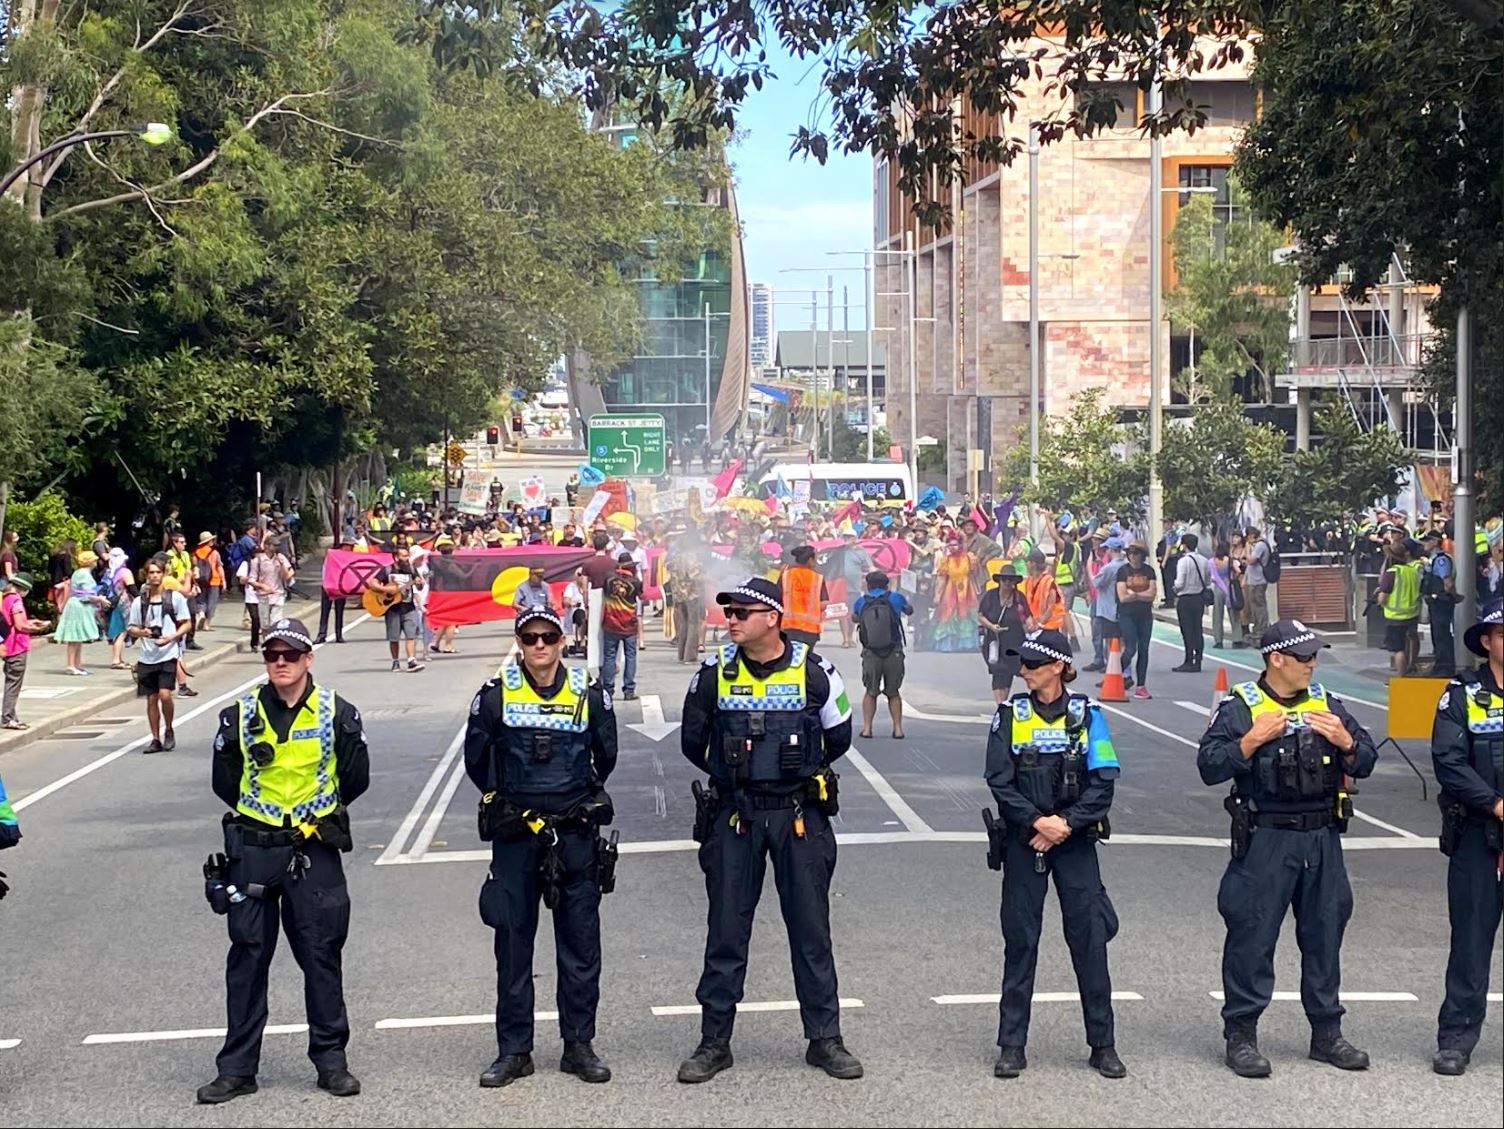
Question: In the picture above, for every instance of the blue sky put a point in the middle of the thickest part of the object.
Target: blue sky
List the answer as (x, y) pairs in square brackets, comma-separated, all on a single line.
[(795, 210)]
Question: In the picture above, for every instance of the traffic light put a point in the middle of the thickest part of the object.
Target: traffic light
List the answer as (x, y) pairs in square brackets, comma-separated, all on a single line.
[(493, 435)]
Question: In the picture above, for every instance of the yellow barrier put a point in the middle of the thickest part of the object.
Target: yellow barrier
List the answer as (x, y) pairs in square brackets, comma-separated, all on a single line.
[(1412, 707)]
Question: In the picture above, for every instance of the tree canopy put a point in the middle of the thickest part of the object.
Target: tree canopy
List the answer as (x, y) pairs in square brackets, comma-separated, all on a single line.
[(1086, 458), (358, 238)]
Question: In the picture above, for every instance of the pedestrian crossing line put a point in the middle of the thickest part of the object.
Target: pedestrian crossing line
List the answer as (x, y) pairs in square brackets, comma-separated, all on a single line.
[(394, 849), (7, 1044), (1345, 997), (896, 803), (1493, 998), (1039, 998), (177, 1036), (756, 1005), (452, 1021)]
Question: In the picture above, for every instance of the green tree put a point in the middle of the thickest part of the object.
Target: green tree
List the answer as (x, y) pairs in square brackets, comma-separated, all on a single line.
[(1346, 470), (850, 445), (1086, 458), (1378, 128), (1231, 295), (1215, 459)]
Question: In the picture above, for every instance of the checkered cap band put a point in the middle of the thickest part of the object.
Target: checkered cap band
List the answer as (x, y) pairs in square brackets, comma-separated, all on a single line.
[(752, 595), (1287, 644), (1034, 647)]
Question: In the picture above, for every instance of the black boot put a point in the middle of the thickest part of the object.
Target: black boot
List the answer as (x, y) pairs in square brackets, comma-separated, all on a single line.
[(340, 1083), (1010, 1062), (1243, 1056), (1106, 1062), (1339, 1052), (1448, 1061), (224, 1088), (581, 1060), (1183, 668), (506, 1070), (831, 1056), (710, 1058)]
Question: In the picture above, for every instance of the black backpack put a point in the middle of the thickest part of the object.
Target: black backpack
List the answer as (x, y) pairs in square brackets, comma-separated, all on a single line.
[(876, 626), (1271, 566)]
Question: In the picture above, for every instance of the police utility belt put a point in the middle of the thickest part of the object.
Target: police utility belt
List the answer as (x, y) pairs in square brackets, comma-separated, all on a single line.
[(265, 859), (821, 791)]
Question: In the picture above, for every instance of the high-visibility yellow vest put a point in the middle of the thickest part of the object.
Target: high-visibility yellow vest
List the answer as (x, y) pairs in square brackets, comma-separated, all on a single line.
[(1403, 600), (302, 781)]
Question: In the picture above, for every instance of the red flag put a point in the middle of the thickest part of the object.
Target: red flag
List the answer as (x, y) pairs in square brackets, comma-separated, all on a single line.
[(771, 502), (852, 509), (980, 518), (722, 482), (477, 585)]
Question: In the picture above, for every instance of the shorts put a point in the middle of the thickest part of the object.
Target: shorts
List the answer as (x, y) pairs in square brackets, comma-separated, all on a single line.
[(1004, 673), (401, 624), (153, 677), (1398, 631), (882, 674)]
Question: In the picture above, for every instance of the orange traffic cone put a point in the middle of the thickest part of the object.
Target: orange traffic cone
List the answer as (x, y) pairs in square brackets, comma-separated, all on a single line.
[(1219, 691), (1113, 689)]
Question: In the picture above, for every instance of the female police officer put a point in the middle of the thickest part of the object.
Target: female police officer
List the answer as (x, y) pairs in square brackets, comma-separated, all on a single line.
[(539, 745), (1051, 767), (1285, 743)]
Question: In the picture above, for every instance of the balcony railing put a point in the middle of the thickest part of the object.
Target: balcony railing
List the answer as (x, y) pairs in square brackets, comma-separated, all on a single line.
[(1384, 352)]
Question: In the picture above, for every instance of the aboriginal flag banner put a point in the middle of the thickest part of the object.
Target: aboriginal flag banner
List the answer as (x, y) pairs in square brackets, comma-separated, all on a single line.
[(478, 585)]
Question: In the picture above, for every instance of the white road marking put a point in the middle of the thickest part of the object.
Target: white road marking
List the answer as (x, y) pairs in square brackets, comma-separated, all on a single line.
[(1346, 997), (1202, 712), (393, 852), (910, 710), (653, 726), (446, 797), (899, 806), (1039, 998), (1366, 818), (7, 1044), (173, 1036), (45, 692), (1221, 661), (1493, 998), (452, 1021), (762, 1005), (140, 742)]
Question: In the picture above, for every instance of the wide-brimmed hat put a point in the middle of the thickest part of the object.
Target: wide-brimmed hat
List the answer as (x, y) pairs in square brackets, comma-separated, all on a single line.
[(21, 582), (205, 537)]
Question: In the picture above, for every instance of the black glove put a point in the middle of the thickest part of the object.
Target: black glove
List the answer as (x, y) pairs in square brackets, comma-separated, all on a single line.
[(4, 889)]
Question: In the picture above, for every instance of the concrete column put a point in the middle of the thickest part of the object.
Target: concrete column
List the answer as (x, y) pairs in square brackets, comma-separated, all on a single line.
[(1302, 419), (1302, 326), (1395, 398), (1396, 304)]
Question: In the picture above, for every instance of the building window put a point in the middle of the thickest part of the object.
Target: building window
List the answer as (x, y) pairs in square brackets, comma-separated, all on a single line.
[(1224, 210), (1224, 103), (1121, 98)]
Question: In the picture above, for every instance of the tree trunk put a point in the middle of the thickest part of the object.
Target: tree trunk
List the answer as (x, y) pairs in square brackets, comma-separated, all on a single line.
[(29, 17)]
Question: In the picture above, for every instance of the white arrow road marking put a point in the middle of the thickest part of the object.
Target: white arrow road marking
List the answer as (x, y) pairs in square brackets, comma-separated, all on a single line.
[(652, 725)]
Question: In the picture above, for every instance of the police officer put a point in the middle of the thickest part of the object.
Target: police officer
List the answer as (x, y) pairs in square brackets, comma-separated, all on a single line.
[(540, 744), (288, 757), (1051, 767), (765, 717), (1287, 744), (1467, 750)]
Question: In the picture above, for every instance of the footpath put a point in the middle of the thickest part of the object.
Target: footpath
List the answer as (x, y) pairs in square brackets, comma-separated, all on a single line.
[(54, 701)]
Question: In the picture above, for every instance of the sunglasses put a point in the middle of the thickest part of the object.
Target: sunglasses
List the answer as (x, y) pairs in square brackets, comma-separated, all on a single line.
[(532, 638), (743, 613), (1300, 658), (1035, 664), (280, 655)]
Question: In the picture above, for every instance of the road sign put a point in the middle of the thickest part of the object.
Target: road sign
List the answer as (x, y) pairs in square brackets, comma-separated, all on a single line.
[(628, 445), (456, 454)]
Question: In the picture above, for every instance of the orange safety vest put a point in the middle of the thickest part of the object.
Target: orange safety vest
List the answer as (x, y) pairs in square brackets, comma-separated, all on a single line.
[(216, 565), (802, 608), (1036, 592)]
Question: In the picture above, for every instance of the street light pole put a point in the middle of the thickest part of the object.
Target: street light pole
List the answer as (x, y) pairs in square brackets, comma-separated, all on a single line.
[(830, 366), (912, 241), (1156, 285), (1463, 522), (707, 371), (867, 282), (1034, 345), (153, 133)]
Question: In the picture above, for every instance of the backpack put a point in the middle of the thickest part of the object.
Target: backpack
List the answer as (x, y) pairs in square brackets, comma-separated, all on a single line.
[(237, 554), (203, 571), (5, 613), (1271, 566), (876, 627)]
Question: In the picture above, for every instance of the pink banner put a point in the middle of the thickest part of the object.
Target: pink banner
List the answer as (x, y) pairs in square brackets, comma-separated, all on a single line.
[(347, 572)]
